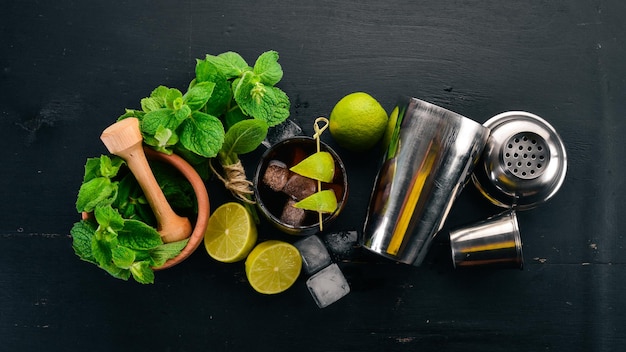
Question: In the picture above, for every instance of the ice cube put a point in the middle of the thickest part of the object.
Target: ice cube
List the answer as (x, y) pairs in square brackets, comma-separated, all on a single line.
[(328, 286), (276, 175), (299, 187), (342, 244), (291, 215), (314, 254), (284, 130)]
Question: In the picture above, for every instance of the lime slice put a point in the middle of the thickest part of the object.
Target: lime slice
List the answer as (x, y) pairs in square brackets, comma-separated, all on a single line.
[(323, 201), (273, 266), (230, 233), (318, 166)]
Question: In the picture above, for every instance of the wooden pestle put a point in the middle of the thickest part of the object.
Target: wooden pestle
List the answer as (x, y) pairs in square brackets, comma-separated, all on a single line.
[(124, 139)]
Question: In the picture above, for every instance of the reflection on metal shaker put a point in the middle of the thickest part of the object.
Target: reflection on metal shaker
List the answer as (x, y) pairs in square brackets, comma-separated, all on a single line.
[(430, 156)]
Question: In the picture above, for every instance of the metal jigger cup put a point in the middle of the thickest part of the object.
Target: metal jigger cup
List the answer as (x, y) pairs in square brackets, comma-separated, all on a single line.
[(430, 156), (495, 241)]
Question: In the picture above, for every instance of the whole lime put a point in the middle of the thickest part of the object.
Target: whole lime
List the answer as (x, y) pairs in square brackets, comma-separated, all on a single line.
[(358, 121)]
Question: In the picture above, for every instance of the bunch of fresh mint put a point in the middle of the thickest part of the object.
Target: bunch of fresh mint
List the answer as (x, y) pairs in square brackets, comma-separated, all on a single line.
[(226, 111), (120, 236), (225, 91)]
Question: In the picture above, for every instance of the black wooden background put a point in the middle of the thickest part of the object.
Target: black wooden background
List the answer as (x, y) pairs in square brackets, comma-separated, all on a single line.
[(69, 68)]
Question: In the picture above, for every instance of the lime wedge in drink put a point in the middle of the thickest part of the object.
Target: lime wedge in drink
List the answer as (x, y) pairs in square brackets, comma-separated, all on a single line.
[(318, 166), (323, 201)]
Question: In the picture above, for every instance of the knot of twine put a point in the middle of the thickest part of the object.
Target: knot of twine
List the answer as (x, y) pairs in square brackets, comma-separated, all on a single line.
[(236, 181)]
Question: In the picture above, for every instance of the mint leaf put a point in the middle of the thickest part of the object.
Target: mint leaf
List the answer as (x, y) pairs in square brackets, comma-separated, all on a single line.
[(82, 235), (173, 98), (244, 137), (164, 252), (106, 236), (137, 235), (198, 95), (229, 63), (102, 167), (276, 106), (207, 72), (140, 256), (268, 69), (220, 100), (242, 91), (175, 187), (110, 166), (142, 272), (162, 140), (159, 94), (204, 72), (182, 113), (150, 104), (108, 218), (143, 212), (123, 257), (131, 202), (122, 201), (99, 190), (165, 118), (92, 169), (266, 103), (101, 252), (116, 272), (202, 134), (131, 113)]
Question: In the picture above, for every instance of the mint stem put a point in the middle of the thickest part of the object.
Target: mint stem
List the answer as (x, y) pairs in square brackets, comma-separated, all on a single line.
[(237, 183)]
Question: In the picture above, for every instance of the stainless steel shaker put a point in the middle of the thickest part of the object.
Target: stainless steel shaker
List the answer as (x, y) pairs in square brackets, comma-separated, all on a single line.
[(431, 153)]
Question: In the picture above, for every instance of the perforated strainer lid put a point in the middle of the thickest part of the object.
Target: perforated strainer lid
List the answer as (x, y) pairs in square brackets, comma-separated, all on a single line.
[(524, 162)]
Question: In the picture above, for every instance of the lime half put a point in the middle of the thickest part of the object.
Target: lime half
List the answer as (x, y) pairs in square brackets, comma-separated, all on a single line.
[(273, 266), (230, 234)]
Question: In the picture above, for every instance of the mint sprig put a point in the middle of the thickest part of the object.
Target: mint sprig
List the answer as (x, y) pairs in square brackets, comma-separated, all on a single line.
[(225, 90), (203, 123), (120, 237), (131, 251)]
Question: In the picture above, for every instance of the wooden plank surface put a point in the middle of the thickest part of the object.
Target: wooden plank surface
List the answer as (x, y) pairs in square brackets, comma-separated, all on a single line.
[(68, 69)]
